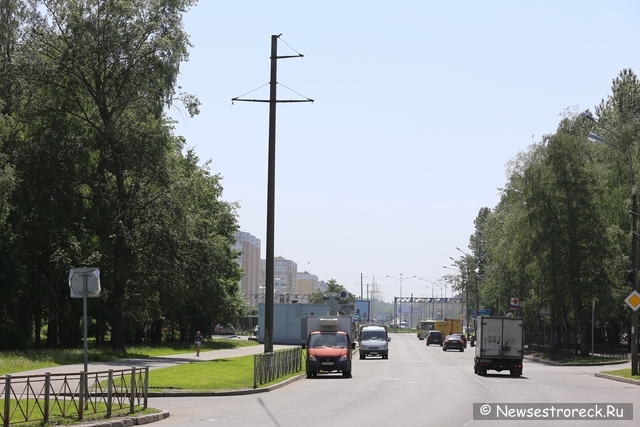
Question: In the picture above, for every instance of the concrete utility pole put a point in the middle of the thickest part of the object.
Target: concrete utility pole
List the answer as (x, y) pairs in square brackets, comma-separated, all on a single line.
[(271, 189)]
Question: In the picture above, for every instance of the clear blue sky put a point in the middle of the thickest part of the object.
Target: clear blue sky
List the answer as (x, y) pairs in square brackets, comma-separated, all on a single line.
[(419, 106)]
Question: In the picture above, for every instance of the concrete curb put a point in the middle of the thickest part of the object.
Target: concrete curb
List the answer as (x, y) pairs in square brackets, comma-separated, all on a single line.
[(552, 363), (616, 378), (150, 418), (237, 392), (127, 421)]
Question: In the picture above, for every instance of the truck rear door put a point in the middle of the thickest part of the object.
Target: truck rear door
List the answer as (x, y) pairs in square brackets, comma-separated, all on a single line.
[(512, 337), (491, 336)]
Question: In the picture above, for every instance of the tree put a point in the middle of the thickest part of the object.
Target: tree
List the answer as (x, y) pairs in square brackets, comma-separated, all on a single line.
[(334, 289), (112, 66)]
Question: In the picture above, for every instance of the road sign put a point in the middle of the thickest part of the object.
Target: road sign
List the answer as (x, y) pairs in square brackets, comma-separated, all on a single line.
[(515, 304), (633, 300), (482, 312), (77, 277)]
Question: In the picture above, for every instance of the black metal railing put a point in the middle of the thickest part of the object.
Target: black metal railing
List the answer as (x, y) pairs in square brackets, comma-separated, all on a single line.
[(270, 366), (599, 352), (28, 398)]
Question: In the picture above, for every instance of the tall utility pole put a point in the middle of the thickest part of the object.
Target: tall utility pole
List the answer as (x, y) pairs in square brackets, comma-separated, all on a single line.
[(634, 229), (271, 189)]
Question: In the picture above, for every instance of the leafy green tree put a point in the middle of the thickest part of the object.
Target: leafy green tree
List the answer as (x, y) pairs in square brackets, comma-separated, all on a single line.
[(112, 65), (334, 289)]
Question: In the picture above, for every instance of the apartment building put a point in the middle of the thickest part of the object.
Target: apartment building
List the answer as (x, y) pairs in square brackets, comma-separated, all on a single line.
[(249, 260), (307, 283)]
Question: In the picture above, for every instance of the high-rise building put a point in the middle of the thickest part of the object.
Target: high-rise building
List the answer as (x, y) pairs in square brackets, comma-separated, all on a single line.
[(285, 274), (307, 283), (249, 260)]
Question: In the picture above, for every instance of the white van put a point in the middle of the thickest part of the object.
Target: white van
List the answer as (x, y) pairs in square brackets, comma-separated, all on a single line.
[(374, 341)]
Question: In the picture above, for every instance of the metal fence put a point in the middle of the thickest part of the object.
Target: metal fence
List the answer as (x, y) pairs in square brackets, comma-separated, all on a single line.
[(270, 366), (29, 398), (600, 352)]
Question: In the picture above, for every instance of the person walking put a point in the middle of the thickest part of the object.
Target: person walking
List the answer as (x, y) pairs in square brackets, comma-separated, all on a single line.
[(198, 342)]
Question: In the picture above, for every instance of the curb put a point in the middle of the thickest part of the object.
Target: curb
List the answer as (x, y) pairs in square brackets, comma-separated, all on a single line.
[(159, 416), (128, 421), (238, 392), (616, 378), (552, 363)]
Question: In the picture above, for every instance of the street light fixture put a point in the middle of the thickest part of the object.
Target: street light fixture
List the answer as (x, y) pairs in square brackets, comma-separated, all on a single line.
[(475, 276), (431, 287), (634, 231), (400, 279)]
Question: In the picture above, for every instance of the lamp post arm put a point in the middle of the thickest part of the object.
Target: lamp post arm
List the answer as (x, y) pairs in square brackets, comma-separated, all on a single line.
[(626, 153)]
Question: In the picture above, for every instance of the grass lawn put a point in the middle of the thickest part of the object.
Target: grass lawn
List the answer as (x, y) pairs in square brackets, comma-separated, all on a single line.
[(624, 373), (220, 374), (27, 360)]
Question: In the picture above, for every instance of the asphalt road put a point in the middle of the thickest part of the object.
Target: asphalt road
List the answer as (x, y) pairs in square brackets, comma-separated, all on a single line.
[(416, 386)]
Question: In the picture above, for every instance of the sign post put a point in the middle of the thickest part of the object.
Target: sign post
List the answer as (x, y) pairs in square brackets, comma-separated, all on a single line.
[(84, 283)]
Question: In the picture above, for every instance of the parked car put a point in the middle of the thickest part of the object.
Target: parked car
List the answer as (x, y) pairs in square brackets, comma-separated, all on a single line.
[(434, 337), (453, 342)]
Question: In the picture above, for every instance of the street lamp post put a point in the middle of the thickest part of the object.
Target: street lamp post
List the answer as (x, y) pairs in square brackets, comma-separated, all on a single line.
[(475, 278), (400, 279), (429, 287), (466, 291), (634, 232)]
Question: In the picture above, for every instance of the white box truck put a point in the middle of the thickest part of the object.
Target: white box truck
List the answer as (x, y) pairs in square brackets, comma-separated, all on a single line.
[(499, 345)]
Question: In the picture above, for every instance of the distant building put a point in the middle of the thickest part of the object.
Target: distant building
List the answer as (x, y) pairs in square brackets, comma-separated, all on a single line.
[(307, 283), (285, 273), (249, 260), (323, 286)]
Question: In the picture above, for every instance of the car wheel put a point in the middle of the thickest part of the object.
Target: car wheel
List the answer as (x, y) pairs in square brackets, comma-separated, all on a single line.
[(462, 349), (362, 356), (444, 348)]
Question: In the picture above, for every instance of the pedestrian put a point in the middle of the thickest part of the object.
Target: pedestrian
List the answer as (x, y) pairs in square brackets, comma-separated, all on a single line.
[(198, 342)]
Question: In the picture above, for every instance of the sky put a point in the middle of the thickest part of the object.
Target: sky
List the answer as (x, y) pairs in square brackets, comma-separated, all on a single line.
[(418, 108)]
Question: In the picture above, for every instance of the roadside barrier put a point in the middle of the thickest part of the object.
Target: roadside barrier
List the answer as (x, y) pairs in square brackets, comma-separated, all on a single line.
[(270, 366), (28, 398)]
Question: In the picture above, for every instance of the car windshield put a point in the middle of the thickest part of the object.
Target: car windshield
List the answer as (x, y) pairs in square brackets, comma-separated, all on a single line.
[(373, 335), (328, 340)]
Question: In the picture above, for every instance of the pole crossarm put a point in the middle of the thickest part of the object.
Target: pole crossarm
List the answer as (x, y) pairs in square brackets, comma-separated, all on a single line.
[(279, 101)]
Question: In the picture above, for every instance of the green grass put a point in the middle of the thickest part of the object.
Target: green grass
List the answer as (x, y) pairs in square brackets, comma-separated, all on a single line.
[(402, 330), (71, 414), (624, 373), (220, 374), (27, 360)]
